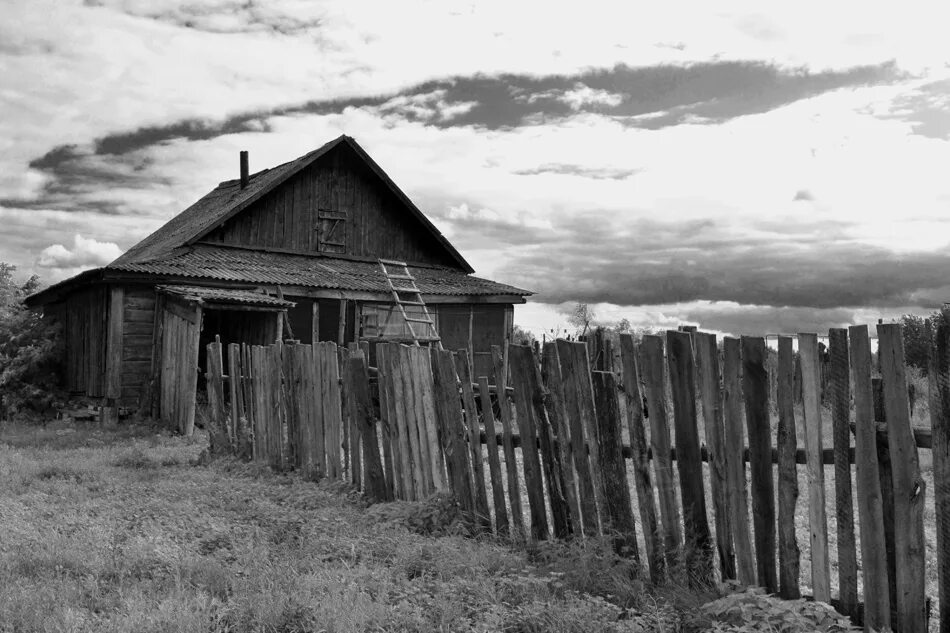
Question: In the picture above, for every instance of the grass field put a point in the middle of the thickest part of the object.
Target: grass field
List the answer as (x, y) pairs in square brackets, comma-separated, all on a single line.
[(125, 530)]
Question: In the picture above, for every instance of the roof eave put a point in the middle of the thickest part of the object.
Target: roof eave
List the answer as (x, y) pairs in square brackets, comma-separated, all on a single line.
[(56, 291)]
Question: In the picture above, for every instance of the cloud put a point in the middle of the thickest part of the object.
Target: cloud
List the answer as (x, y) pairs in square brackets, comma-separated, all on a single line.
[(803, 195), (221, 16), (58, 261), (927, 109), (597, 173)]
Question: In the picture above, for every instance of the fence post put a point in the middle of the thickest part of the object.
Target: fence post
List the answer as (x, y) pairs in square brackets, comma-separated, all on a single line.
[(877, 604), (840, 388), (789, 555), (616, 490), (463, 368), (939, 382), (909, 487), (219, 440), (651, 350), (550, 461), (811, 396), (500, 366), (689, 463), (523, 378), (448, 409), (641, 465), (242, 433), (886, 483), (755, 382), (737, 492), (557, 414), (361, 413), (494, 462), (707, 371)]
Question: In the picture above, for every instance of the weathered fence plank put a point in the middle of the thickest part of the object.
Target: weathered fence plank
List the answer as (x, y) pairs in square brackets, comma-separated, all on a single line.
[(551, 463), (387, 424), (641, 465), (651, 350), (877, 605), (332, 411), (557, 414), (219, 442), (909, 487), (698, 544), (500, 365), (494, 462), (755, 385), (242, 433), (811, 397), (410, 476), (886, 480), (734, 437), (422, 364), (617, 493), (708, 374), (567, 354), (356, 378), (521, 362), (939, 382), (463, 367), (789, 555), (448, 408), (840, 388)]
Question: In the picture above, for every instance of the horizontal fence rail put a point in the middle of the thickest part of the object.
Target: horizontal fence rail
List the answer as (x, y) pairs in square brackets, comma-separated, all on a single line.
[(590, 440)]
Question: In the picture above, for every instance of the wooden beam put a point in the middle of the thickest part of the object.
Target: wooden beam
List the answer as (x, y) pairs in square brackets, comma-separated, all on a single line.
[(114, 343)]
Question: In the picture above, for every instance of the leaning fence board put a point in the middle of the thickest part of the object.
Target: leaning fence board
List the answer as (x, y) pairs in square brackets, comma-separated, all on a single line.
[(811, 397), (463, 367), (641, 466), (392, 460), (415, 420), (617, 492), (755, 385), (452, 429), (877, 605), (698, 544), (551, 463), (586, 409), (789, 556), (840, 387), (734, 438), (332, 414), (909, 487), (361, 412), (886, 481), (557, 413), (521, 363), (423, 369), (500, 366), (242, 435), (410, 477), (708, 374), (939, 379), (575, 427), (218, 440), (494, 462), (651, 350)]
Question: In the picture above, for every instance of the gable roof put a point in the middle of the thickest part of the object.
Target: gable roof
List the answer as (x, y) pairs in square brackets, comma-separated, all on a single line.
[(228, 199)]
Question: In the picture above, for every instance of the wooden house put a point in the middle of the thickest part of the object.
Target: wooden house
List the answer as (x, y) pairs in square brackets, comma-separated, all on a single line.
[(287, 252)]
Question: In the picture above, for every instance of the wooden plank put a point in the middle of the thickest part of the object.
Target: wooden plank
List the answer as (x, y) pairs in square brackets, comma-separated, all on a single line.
[(576, 433), (341, 331), (463, 367), (403, 450), (789, 556), (500, 364), (877, 605), (333, 418), (185, 311), (755, 385), (909, 487), (557, 414), (736, 493), (682, 371), (218, 441), (404, 402), (550, 462), (641, 466), (587, 414), (938, 377), (361, 410), (386, 422), (416, 417), (616, 493), (113, 354), (423, 378), (886, 481), (651, 357), (811, 397), (523, 379), (494, 462), (293, 395), (708, 376), (452, 429), (840, 390)]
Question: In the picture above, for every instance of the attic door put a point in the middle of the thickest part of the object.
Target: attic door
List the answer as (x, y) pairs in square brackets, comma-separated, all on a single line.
[(331, 231)]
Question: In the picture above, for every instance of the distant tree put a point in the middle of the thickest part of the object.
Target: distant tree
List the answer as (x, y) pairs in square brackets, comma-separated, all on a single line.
[(624, 325), (31, 350), (521, 336), (916, 343), (582, 318)]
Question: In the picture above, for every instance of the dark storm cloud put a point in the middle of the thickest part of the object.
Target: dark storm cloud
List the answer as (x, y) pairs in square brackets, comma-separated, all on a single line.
[(649, 262), (192, 130), (927, 109)]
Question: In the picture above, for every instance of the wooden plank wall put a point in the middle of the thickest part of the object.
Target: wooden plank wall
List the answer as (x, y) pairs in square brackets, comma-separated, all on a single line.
[(85, 316), (376, 224), (138, 322), (181, 325)]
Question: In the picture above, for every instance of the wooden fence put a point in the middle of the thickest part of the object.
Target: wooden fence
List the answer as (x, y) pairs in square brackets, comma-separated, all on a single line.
[(569, 450)]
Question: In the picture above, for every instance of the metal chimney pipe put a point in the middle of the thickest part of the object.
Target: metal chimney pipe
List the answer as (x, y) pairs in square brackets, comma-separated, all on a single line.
[(245, 175)]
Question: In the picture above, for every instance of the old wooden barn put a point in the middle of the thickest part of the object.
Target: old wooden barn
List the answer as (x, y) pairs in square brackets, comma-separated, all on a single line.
[(287, 252)]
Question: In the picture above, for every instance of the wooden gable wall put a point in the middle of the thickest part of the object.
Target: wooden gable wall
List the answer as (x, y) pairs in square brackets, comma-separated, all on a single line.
[(335, 206)]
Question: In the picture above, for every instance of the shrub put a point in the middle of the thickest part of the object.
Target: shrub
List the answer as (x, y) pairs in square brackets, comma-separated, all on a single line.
[(31, 350)]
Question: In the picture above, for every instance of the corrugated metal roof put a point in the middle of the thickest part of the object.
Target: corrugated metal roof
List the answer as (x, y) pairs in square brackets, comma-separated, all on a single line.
[(225, 295), (261, 267)]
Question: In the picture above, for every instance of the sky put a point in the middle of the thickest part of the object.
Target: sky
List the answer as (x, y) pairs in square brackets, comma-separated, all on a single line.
[(748, 167)]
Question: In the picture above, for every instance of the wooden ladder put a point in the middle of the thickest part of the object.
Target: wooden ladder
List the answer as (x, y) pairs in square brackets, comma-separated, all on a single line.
[(405, 286)]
